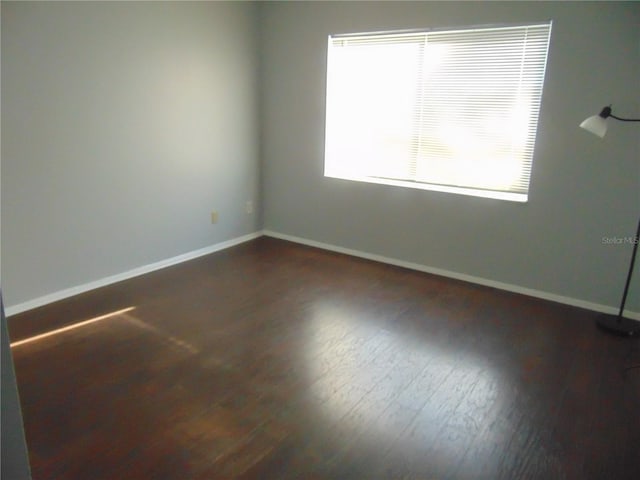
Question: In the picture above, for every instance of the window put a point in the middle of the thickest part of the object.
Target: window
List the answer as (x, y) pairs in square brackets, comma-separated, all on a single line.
[(453, 110)]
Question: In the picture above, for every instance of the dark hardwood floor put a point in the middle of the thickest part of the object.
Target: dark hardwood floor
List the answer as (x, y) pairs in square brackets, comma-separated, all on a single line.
[(272, 360)]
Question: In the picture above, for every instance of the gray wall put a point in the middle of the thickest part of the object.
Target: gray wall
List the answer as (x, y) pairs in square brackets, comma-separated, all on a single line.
[(582, 188), (124, 125)]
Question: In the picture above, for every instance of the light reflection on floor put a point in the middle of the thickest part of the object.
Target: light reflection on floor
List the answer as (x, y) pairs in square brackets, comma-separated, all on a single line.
[(366, 373), (166, 337)]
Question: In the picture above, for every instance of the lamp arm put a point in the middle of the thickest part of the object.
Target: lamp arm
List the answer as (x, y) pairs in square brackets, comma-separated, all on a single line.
[(624, 119)]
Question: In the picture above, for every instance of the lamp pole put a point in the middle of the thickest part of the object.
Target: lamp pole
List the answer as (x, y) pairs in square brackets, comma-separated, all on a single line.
[(636, 240), (618, 324)]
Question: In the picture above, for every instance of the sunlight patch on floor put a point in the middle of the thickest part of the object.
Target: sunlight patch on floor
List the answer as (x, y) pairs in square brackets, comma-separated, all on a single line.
[(71, 327)]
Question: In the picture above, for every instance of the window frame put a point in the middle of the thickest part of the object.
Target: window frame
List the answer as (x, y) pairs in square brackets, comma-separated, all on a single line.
[(422, 185)]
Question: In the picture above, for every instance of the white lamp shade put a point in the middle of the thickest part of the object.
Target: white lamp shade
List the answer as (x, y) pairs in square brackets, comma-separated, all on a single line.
[(596, 125)]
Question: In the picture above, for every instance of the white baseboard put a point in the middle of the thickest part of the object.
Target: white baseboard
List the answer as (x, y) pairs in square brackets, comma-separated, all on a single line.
[(575, 302), (69, 292)]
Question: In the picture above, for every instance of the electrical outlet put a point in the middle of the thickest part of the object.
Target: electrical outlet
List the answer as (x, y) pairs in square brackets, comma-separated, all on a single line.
[(248, 207), (214, 216)]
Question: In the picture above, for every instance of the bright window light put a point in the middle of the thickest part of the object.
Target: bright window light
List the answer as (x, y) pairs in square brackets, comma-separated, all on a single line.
[(453, 110)]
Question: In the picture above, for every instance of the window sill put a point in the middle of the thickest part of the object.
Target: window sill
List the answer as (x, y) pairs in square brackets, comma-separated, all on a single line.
[(506, 196)]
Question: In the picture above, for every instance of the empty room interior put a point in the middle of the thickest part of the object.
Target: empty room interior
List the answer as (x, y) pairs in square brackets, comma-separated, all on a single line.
[(320, 240)]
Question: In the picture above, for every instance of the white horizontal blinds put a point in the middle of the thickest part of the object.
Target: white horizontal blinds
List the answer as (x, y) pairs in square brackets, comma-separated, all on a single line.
[(479, 105), (456, 108)]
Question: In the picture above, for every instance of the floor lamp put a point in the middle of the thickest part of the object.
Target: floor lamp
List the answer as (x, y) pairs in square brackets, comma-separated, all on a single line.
[(618, 324)]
